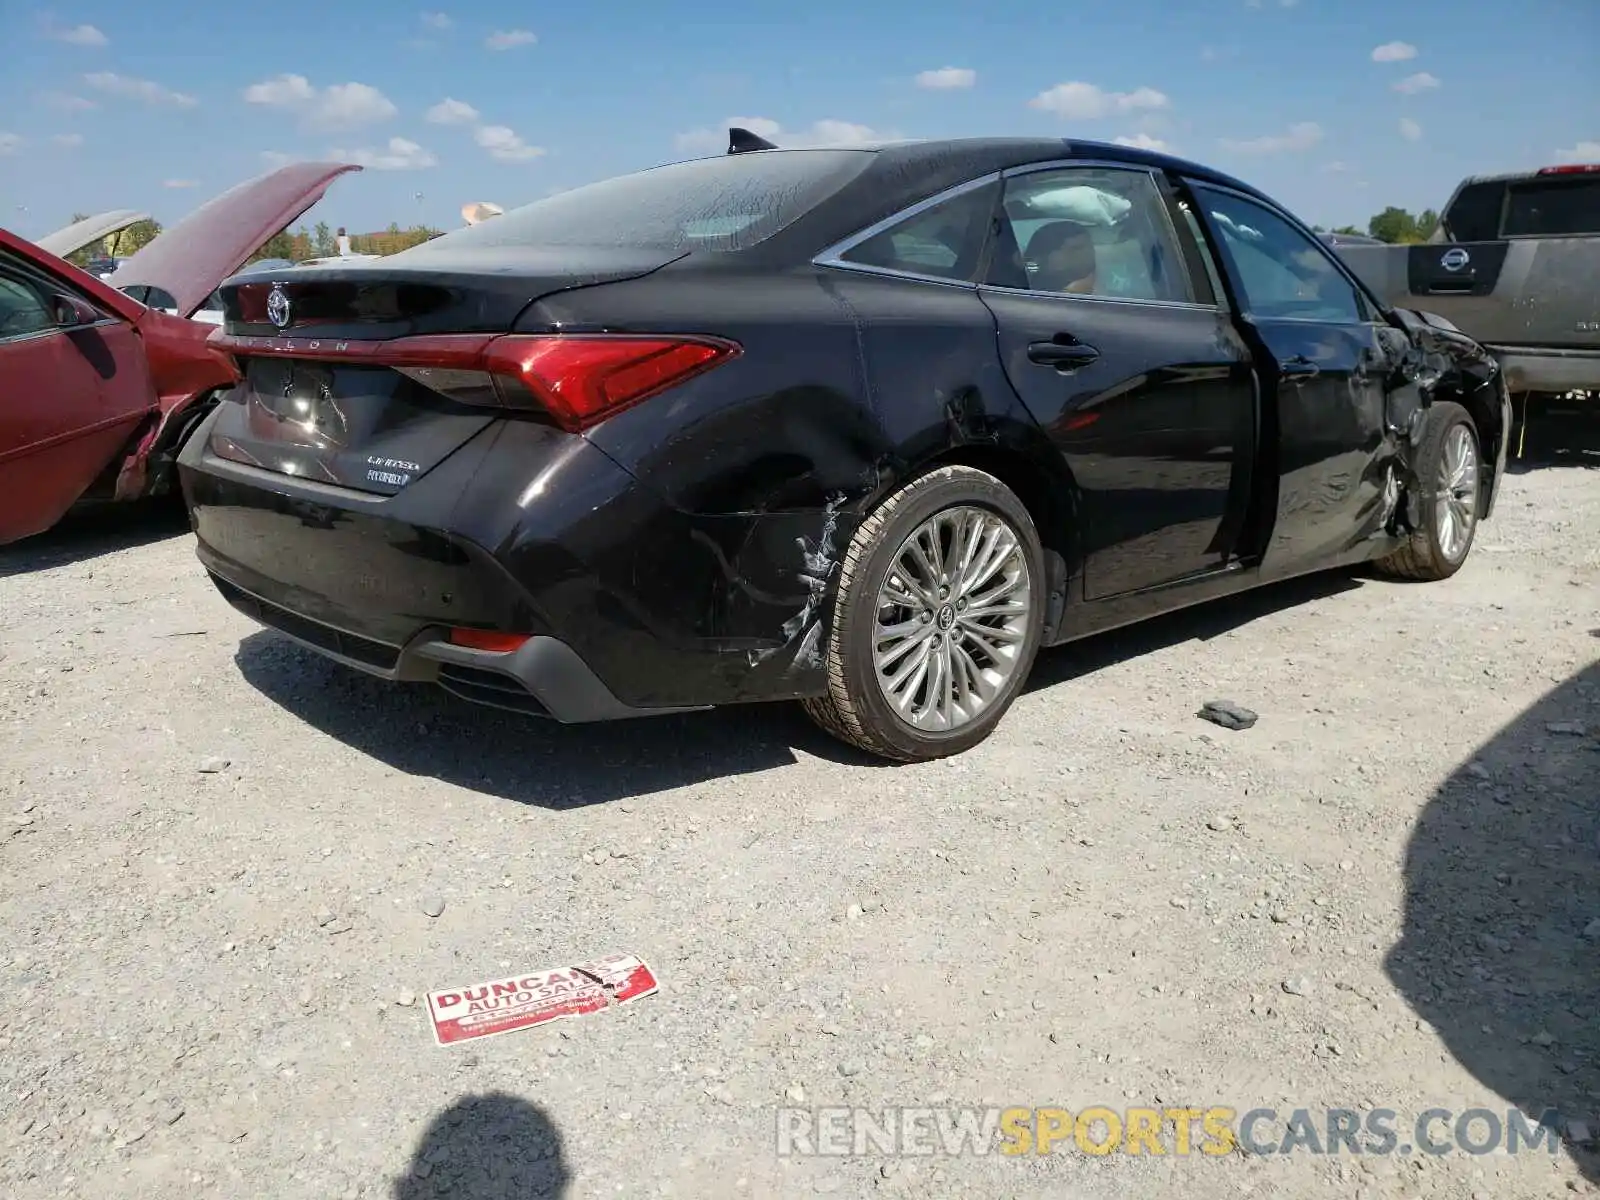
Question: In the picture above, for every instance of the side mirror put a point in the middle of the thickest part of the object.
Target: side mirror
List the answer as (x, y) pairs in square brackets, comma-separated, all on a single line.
[(70, 312)]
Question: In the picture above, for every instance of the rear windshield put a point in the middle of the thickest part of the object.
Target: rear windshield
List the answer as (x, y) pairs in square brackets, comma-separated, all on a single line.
[(1554, 208), (727, 203)]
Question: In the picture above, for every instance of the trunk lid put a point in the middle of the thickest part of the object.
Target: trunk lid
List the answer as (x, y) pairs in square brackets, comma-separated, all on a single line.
[(184, 265), (1516, 292), (86, 232), (478, 290), (334, 392)]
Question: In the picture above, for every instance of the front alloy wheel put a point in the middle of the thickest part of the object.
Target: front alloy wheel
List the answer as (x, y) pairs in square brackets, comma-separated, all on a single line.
[(1449, 470)]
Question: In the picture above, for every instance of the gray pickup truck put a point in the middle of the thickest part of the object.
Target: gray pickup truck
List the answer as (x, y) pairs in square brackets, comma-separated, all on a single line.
[(1515, 264)]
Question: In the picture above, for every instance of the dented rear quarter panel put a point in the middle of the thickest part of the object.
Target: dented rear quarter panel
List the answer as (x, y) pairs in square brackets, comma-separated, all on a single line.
[(767, 465), (184, 371)]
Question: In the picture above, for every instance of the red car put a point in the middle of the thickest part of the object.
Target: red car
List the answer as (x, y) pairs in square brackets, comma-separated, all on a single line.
[(100, 381)]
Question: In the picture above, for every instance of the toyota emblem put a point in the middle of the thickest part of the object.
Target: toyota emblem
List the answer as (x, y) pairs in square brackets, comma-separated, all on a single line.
[(278, 307), (1454, 260)]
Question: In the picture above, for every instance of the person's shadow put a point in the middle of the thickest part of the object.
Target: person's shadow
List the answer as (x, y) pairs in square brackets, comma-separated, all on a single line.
[(1500, 952), (493, 1146)]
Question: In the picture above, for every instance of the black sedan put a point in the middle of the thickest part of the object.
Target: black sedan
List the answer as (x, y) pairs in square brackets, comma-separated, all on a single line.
[(862, 427)]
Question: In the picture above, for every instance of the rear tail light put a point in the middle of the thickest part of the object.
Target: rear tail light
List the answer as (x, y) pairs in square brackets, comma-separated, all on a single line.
[(578, 379), (1573, 169)]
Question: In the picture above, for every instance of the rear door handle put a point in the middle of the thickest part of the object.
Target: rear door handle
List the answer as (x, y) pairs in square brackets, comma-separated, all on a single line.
[(1062, 355), (1300, 367)]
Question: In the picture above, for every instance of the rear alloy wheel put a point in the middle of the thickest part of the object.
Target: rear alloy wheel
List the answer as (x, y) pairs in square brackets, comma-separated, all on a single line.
[(1450, 464), (938, 617)]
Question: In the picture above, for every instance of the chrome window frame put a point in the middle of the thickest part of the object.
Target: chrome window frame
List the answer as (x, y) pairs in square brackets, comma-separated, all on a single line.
[(833, 256), (1375, 308), (1100, 164)]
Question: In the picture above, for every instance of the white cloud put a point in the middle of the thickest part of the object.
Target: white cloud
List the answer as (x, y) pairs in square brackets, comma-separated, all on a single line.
[(1335, 168), (452, 112), (1410, 130), (68, 141), (827, 132), (1420, 82), (10, 143), (338, 106), (1260, 4), (1302, 136), (437, 20), (1078, 101), (276, 158), (138, 89), (66, 102), (1143, 141), (282, 92), (180, 183), (79, 35), (1394, 52), (1583, 152), (509, 39), (399, 155), (946, 78), (504, 144)]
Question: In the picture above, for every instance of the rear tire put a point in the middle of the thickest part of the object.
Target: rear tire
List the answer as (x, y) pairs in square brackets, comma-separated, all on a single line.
[(1450, 467), (915, 673)]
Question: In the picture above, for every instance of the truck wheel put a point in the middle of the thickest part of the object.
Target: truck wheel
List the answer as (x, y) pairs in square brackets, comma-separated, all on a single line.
[(1450, 470), (937, 620)]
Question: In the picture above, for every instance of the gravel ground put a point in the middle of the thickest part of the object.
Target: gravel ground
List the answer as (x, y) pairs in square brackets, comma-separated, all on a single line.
[(218, 857)]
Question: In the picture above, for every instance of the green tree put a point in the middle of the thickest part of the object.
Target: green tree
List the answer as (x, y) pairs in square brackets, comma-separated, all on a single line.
[(1348, 229), (1393, 225), (322, 244), (279, 245), (1427, 224), (133, 239)]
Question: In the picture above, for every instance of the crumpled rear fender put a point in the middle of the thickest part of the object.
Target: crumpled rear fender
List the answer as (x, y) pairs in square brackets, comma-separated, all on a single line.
[(1440, 362), (187, 373)]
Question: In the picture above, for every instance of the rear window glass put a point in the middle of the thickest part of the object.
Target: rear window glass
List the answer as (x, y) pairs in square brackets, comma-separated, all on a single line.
[(1554, 209), (726, 203), (1474, 215)]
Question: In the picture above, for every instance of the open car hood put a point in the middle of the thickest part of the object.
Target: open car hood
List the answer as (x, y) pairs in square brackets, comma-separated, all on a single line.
[(89, 230), (183, 266)]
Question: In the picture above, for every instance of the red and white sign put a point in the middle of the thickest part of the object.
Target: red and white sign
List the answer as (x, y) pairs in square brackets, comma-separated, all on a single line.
[(534, 998)]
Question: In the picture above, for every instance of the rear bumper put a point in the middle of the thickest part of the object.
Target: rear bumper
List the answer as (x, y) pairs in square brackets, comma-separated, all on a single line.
[(632, 606), (544, 677), (1529, 369)]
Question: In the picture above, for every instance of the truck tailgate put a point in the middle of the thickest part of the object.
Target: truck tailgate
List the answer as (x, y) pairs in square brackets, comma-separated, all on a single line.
[(1515, 292)]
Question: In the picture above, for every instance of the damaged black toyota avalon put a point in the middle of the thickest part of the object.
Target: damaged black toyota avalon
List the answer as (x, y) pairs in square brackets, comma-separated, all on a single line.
[(862, 427)]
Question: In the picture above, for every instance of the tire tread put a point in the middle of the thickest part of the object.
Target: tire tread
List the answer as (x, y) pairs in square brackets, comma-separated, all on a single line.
[(834, 710)]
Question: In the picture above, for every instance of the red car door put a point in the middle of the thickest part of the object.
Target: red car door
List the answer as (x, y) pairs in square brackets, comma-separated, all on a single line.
[(74, 385)]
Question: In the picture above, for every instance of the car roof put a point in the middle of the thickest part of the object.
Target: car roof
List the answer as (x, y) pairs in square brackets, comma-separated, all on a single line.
[(905, 173), (911, 152)]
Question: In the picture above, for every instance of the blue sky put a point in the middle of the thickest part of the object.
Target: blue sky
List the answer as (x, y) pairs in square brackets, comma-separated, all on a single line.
[(1336, 107)]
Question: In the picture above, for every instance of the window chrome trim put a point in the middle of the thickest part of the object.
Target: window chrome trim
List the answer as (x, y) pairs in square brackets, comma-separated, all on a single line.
[(1340, 267), (1101, 164), (1193, 305), (833, 256), (1062, 164)]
